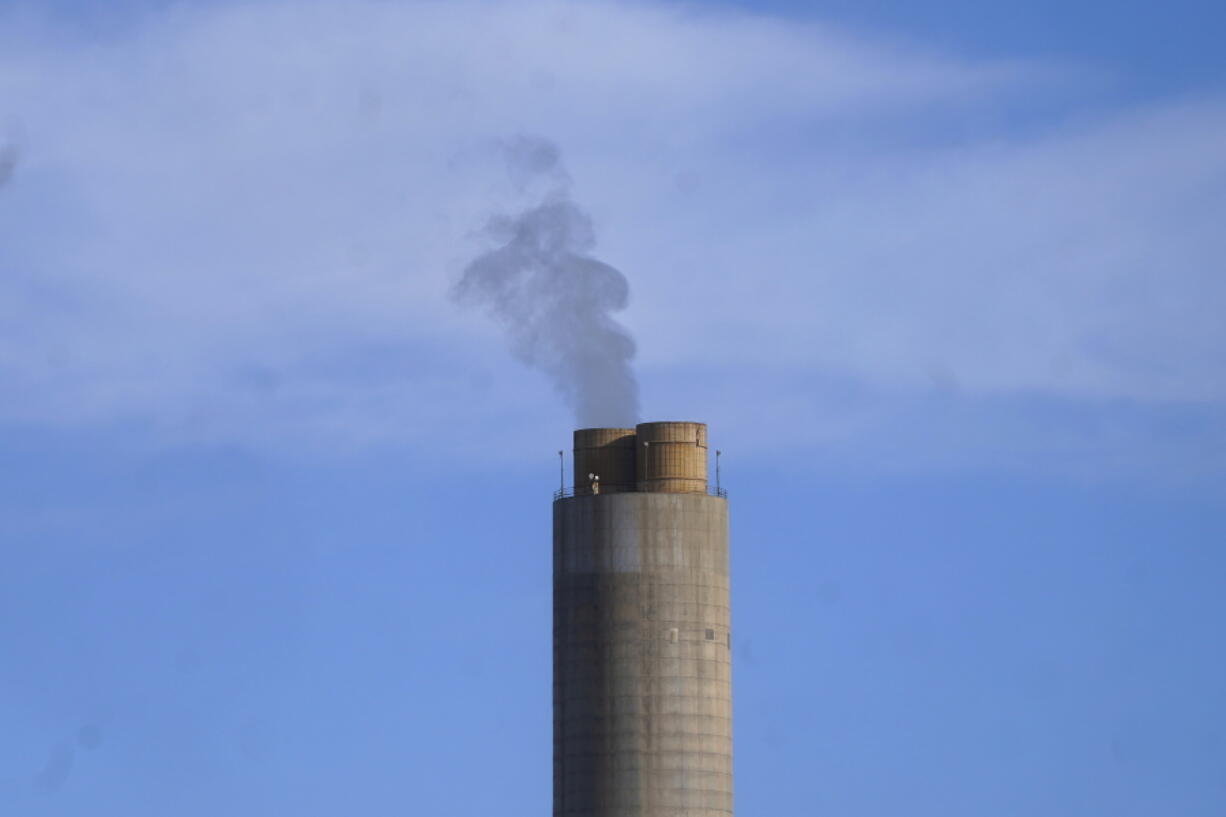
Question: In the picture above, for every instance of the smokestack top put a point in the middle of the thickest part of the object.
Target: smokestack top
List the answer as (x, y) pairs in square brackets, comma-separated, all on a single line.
[(607, 453), (659, 457)]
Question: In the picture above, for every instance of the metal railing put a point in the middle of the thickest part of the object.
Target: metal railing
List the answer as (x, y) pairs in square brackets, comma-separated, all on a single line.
[(711, 490)]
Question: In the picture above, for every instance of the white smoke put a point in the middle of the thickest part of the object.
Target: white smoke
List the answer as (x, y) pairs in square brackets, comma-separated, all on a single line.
[(553, 298)]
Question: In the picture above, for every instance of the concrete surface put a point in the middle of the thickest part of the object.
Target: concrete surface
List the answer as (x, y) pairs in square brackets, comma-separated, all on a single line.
[(642, 665)]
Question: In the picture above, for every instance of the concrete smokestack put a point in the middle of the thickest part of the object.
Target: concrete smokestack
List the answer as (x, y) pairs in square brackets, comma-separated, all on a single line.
[(642, 688)]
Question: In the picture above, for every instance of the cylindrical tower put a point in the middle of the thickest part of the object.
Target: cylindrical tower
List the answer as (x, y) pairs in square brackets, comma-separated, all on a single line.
[(604, 460), (642, 693)]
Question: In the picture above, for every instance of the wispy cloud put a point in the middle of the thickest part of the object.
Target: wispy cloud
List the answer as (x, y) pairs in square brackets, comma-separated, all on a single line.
[(243, 221)]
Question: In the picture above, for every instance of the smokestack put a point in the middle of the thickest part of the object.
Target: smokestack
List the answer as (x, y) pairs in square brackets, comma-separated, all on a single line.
[(642, 691)]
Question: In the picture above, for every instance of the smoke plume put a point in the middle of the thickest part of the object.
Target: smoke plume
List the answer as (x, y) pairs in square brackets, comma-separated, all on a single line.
[(553, 298)]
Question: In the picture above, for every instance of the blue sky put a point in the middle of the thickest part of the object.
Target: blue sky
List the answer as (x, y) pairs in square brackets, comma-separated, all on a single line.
[(946, 283)]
